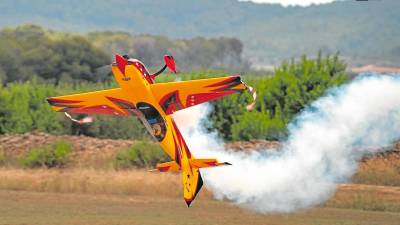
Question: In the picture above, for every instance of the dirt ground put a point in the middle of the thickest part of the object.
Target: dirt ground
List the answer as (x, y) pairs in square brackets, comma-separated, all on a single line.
[(20, 143)]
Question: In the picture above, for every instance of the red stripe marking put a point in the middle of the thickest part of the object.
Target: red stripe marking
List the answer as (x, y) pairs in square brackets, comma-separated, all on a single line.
[(226, 81), (121, 63), (212, 163), (163, 168), (57, 100), (120, 100), (181, 140), (177, 152), (199, 98), (98, 109), (174, 104)]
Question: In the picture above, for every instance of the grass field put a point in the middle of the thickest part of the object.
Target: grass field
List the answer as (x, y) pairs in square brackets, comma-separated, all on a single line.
[(93, 197), (20, 207)]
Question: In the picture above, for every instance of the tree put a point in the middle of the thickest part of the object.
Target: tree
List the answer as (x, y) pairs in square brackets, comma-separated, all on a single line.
[(280, 97), (29, 51)]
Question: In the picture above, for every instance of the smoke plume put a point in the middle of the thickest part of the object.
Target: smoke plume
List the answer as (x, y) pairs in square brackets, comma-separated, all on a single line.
[(325, 142)]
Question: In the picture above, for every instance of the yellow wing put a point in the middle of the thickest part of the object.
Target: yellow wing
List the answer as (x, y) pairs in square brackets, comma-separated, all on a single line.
[(106, 102), (179, 95)]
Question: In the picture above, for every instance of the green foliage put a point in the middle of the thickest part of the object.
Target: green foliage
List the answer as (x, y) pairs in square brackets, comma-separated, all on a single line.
[(258, 125), (113, 127), (23, 107), (49, 156), (29, 51), (280, 98), (54, 63), (141, 154), (191, 54)]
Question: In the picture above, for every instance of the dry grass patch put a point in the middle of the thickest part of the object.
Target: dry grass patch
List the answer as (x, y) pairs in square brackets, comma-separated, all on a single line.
[(366, 197), (380, 170), (143, 183), (128, 182)]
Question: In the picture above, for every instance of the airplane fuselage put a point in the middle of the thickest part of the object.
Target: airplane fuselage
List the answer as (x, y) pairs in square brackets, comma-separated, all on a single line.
[(138, 91)]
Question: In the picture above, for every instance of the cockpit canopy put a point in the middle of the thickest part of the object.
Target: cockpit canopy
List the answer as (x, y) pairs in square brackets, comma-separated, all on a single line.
[(122, 61), (143, 70), (140, 66)]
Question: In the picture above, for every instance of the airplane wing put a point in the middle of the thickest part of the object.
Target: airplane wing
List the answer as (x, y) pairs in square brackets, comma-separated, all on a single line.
[(179, 95), (105, 102)]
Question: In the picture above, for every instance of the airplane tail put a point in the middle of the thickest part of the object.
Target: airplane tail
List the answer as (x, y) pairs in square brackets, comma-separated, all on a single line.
[(192, 180), (191, 177)]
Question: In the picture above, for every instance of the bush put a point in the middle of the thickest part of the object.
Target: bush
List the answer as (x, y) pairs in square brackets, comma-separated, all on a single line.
[(257, 125), (279, 97), (49, 156), (142, 154)]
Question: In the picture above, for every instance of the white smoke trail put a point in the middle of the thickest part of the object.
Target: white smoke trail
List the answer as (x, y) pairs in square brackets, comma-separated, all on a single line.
[(324, 143)]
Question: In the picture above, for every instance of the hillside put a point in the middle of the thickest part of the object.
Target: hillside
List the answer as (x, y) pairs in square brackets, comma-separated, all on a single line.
[(366, 32)]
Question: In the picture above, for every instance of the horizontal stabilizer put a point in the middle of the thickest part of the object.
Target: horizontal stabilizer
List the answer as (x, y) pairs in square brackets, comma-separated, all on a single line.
[(204, 163), (171, 166)]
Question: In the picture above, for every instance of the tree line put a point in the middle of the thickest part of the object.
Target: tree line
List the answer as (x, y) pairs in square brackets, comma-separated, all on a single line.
[(191, 54), (281, 96), (31, 52)]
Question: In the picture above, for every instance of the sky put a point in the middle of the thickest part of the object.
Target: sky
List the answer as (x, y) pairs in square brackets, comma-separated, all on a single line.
[(293, 2)]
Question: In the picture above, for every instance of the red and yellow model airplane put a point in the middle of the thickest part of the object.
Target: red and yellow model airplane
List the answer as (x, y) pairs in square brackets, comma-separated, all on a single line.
[(153, 104)]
